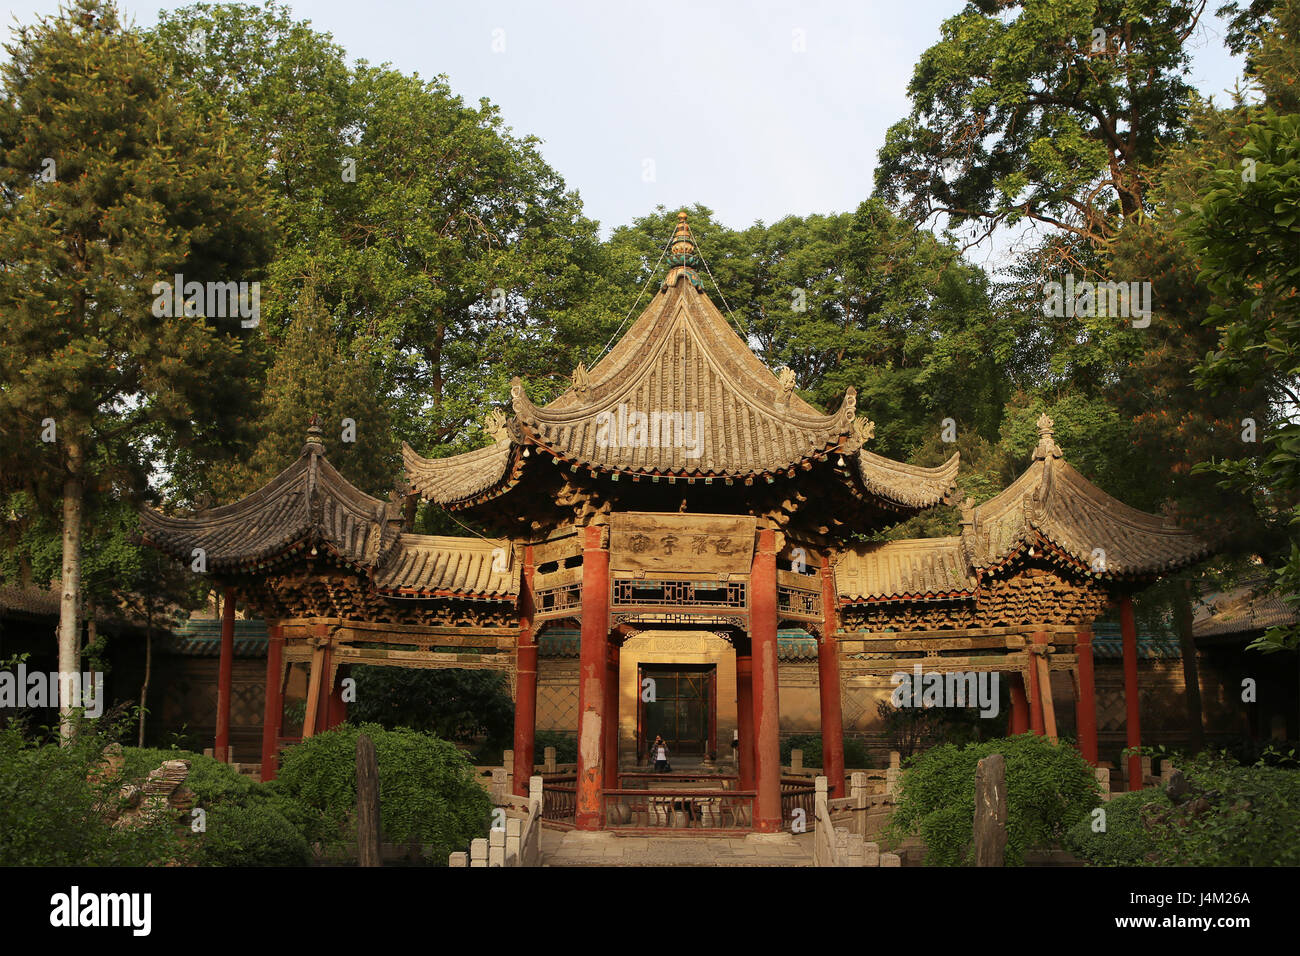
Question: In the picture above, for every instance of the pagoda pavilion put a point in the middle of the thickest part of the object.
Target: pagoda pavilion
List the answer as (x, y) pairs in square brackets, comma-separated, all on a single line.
[(679, 484)]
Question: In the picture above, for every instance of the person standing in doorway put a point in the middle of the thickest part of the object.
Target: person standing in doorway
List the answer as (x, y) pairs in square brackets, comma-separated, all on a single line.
[(660, 751)]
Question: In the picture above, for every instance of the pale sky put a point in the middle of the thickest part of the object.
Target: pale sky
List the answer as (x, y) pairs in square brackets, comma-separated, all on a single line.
[(713, 94)]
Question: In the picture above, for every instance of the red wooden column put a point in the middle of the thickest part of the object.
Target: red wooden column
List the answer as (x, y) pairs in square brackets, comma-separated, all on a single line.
[(525, 682), (828, 688), (337, 710), (225, 672), (1133, 725), (1019, 706), (274, 702), (762, 631), (610, 718), (591, 679), (1085, 708), (326, 683), (1035, 697), (745, 719)]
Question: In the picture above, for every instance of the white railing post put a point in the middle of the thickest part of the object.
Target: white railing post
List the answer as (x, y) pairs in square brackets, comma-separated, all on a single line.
[(496, 848), (478, 852), (514, 843), (858, 791)]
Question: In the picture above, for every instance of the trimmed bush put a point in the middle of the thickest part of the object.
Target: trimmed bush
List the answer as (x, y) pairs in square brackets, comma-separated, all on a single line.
[(427, 790), (251, 836), (1049, 789), (1127, 839)]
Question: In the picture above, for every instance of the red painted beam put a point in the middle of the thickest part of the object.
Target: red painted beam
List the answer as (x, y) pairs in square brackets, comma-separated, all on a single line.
[(1085, 712), (767, 738), (592, 667), (828, 688), (225, 672), (1133, 723), (274, 703)]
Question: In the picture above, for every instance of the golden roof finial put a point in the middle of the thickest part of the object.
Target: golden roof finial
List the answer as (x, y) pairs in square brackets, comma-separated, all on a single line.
[(683, 257)]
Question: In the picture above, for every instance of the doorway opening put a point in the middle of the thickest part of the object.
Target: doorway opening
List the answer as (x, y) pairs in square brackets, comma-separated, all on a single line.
[(683, 709)]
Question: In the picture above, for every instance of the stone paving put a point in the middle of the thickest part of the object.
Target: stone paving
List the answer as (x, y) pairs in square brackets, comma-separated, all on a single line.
[(574, 848)]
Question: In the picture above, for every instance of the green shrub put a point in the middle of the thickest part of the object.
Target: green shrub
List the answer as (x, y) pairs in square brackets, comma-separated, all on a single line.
[(248, 823), (855, 753), (251, 836), (427, 789), (1127, 839), (566, 746), (1049, 789), (1230, 816), (211, 780), (55, 806)]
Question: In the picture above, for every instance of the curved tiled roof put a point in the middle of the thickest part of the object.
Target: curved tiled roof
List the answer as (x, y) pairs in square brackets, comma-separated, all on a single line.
[(914, 569), (307, 502), (457, 477), (1051, 501), (681, 393), (904, 484), (424, 565)]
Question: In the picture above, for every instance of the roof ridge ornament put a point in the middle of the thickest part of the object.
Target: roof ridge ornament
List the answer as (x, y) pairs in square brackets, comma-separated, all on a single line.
[(864, 429), (1047, 447), (315, 444), (581, 380), (495, 425), (683, 256), (786, 377)]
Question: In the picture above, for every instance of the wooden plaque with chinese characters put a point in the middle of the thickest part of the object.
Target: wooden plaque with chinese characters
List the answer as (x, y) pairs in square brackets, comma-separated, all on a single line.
[(717, 545)]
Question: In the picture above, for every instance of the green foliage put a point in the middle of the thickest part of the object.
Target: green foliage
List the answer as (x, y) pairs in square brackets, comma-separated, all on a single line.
[(1247, 231), (1233, 815), (55, 804), (427, 789), (1049, 788), (251, 836), (316, 373), (457, 705), (434, 236), (1126, 841), (142, 189), (1022, 112), (248, 822), (855, 754), (566, 746)]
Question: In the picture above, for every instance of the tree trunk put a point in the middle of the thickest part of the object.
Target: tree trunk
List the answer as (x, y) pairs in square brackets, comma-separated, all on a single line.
[(367, 803), (990, 811), (1191, 672), (148, 670), (70, 599)]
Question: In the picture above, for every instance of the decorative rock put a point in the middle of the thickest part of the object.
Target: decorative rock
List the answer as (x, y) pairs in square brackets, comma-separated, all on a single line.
[(1177, 787), (890, 859)]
